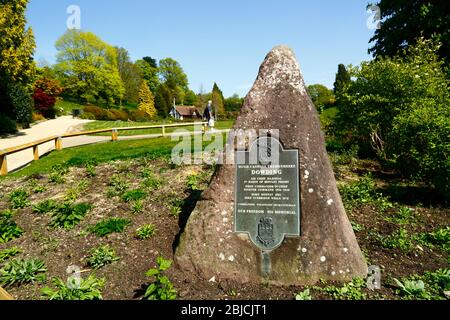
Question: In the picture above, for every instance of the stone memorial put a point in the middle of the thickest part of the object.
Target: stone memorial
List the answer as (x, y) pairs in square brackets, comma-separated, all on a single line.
[(281, 221)]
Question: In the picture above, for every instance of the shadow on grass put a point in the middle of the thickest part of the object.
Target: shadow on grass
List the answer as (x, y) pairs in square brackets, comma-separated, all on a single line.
[(415, 195)]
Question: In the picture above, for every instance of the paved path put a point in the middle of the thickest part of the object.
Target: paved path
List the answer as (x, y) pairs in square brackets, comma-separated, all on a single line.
[(40, 131), (55, 128)]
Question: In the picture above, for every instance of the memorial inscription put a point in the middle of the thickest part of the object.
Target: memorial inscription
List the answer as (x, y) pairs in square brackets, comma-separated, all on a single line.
[(267, 204)]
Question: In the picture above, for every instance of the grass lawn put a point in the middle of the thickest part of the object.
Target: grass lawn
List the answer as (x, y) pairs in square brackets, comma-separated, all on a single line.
[(97, 125), (100, 153)]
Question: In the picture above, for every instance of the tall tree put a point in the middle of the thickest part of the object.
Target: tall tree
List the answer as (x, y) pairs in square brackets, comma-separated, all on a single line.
[(173, 74), (149, 73), (130, 74), (17, 68), (234, 103), (404, 22), (88, 68), (162, 99), (147, 101), (343, 79), (152, 62), (218, 101)]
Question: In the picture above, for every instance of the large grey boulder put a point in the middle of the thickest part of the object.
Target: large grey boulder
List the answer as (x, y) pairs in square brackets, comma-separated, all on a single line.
[(327, 248)]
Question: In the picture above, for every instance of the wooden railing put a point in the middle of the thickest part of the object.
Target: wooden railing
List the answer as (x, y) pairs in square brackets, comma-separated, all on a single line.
[(59, 139)]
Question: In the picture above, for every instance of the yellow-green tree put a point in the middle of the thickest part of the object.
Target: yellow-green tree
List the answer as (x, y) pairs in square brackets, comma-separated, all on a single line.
[(147, 101), (17, 67)]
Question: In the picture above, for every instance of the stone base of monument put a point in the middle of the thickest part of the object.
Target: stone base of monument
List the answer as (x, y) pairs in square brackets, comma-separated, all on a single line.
[(220, 242)]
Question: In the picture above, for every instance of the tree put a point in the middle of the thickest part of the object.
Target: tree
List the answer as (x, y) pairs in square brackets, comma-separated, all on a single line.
[(218, 101), (191, 98), (404, 22), (321, 96), (343, 79), (398, 107), (88, 68), (147, 101), (131, 75), (17, 68), (172, 74), (152, 62), (149, 74), (234, 103), (46, 92), (161, 101)]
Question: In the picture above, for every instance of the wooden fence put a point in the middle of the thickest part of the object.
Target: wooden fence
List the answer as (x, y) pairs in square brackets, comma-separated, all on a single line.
[(58, 140)]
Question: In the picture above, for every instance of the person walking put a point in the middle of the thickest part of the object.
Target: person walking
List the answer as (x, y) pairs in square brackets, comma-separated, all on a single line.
[(208, 115)]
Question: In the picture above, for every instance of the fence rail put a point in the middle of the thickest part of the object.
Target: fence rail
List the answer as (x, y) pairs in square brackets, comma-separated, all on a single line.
[(59, 140)]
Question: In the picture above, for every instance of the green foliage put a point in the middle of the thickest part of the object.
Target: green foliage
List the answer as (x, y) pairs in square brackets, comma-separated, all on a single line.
[(350, 291), (147, 101), (146, 232), (134, 195), (343, 80), (304, 296), (9, 230), (36, 187), (90, 169), (406, 21), (57, 173), (363, 191), (7, 126), (119, 184), (88, 289), (176, 206), (131, 75), (193, 182), (101, 257), (398, 240), (88, 69), (22, 271), (161, 288), (322, 97), (67, 216), (412, 289), (45, 206), (440, 238), (218, 102), (152, 183), (398, 108), (137, 207), (357, 227), (19, 199), (403, 216), (109, 226), (72, 194), (9, 253), (17, 68), (430, 286)]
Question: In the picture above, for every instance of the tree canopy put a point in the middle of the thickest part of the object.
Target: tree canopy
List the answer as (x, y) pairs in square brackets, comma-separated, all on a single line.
[(405, 21), (88, 68)]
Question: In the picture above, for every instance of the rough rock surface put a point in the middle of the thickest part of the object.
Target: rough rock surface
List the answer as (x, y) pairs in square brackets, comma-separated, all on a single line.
[(327, 248)]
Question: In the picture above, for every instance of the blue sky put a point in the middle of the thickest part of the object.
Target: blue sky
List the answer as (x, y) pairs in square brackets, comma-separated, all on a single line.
[(217, 40)]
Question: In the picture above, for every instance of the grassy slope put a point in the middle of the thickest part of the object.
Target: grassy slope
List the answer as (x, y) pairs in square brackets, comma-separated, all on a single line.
[(101, 152)]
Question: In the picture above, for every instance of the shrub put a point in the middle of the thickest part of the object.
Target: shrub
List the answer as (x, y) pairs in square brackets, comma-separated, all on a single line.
[(350, 291), (87, 116), (107, 227), (99, 113), (45, 206), (139, 116), (9, 253), (37, 117), (22, 271), (134, 195), (68, 216), (44, 103), (7, 126), (22, 100), (19, 199), (145, 232), (118, 115), (161, 288), (87, 289), (101, 257)]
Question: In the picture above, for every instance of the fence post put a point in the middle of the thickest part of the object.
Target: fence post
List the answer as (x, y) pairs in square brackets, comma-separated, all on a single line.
[(36, 152), (58, 144), (3, 165), (114, 134), (163, 131)]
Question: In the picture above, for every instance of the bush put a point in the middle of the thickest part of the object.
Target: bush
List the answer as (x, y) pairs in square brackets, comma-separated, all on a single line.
[(44, 103), (68, 216), (139, 116), (113, 225), (37, 117), (87, 289), (99, 113), (22, 271), (7, 126), (161, 288), (87, 116), (9, 230), (398, 107), (119, 115), (22, 101)]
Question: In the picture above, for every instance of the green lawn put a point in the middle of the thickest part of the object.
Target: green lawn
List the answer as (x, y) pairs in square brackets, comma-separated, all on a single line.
[(68, 106), (97, 125), (100, 153)]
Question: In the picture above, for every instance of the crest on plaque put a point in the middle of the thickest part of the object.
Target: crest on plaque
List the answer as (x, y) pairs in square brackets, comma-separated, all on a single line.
[(265, 232)]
